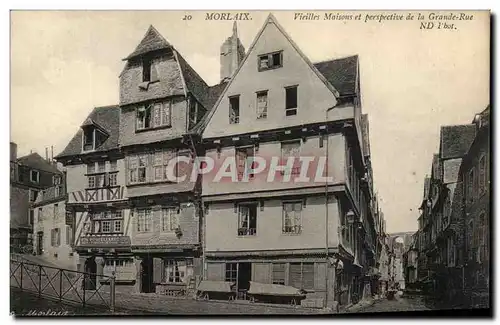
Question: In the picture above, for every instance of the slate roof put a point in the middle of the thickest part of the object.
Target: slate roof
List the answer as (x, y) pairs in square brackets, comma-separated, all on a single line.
[(35, 161), (436, 166), (108, 118), (456, 140), (341, 74), (194, 83), (152, 41)]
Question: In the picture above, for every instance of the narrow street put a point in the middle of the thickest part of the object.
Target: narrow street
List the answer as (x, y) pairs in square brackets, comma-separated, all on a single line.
[(398, 304)]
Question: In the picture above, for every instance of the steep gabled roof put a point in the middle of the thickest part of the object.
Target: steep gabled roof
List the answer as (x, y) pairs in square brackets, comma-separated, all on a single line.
[(456, 140), (35, 161), (152, 41), (193, 82), (106, 117), (328, 67), (341, 73)]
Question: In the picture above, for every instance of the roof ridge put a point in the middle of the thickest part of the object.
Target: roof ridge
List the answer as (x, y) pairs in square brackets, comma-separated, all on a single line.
[(340, 58)]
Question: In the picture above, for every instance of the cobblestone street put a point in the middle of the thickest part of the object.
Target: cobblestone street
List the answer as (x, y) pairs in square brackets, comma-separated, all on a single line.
[(396, 305)]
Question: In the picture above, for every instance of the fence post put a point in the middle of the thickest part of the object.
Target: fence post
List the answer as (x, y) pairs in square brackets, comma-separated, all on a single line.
[(39, 280), (22, 266), (112, 292), (60, 284)]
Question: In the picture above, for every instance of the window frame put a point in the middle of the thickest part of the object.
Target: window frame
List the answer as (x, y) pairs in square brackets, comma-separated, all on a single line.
[(37, 178), (295, 170), (167, 216), (281, 281), (270, 61), (297, 228), (153, 116), (231, 268), (234, 115), (146, 216), (290, 110), (248, 230), (261, 115)]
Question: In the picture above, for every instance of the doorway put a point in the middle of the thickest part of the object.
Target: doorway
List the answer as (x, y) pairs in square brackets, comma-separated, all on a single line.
[(90, 277), (147, 285), (39, 243), (244, 275)]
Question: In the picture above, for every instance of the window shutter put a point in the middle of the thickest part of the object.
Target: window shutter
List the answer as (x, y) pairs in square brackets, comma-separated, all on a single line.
[(215, 271), (158, 268), (261, 272), (154, 71), (295, 277), (320, 278), (308, 275), (58, 237)]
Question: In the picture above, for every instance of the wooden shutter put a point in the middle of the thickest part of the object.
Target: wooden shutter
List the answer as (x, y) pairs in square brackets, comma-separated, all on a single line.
[(295, 275), (308, 275), (278, 275), (261, 272), (215, 271), (58, 238), (158, 268), (320, 278)]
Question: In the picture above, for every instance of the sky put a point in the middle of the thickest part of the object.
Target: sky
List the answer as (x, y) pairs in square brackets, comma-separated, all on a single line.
[(64, 63)]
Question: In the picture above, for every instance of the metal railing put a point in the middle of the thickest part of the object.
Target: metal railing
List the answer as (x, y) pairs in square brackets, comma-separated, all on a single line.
[(66, 286)]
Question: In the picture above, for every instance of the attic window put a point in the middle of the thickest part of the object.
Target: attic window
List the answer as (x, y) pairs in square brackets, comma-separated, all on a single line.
[(34, 176), (146, 69), (93, 138), (270, 61)]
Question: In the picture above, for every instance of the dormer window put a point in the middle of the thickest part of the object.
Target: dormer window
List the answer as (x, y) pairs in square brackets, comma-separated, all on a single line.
[(146, 70), (34, 176), (93, 137), (270, 61)]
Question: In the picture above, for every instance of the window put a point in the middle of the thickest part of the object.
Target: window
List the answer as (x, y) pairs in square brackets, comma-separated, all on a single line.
[(231, 272), (69, 235), (112, 179), (176, 271), (91, 181), (146, 69), (56, 180), (278, 276), (291, 100), (470, 186), (58, 191), (169, 219), (160, 163), (117, 226), (291, 149), (301, 275), (106, 226), (56, 211), (88, 138), (32, 217), (55, 237), (247, 219), (137, 169), (194, 112), (270, 61), (144, 220), (153, 115), (244, 161), (482, 174), (292, 217), (262, 104), (234, 110), (40, 215), (32, 195), (35, 176)]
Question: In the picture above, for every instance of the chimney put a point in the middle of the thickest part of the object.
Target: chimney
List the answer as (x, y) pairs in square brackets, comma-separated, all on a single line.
[(13, 151), (47, 154), (232, 53)]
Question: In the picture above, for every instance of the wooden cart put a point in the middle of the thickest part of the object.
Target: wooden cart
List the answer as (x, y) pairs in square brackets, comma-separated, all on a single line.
[(275, 293), (219, 290)]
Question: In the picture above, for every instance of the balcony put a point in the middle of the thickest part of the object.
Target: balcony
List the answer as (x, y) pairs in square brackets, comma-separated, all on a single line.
[(247, 231), (93, 195)]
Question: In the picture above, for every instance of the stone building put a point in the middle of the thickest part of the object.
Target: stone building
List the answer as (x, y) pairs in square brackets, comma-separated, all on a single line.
[(316, 235), (52, 228), (29, 175)]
